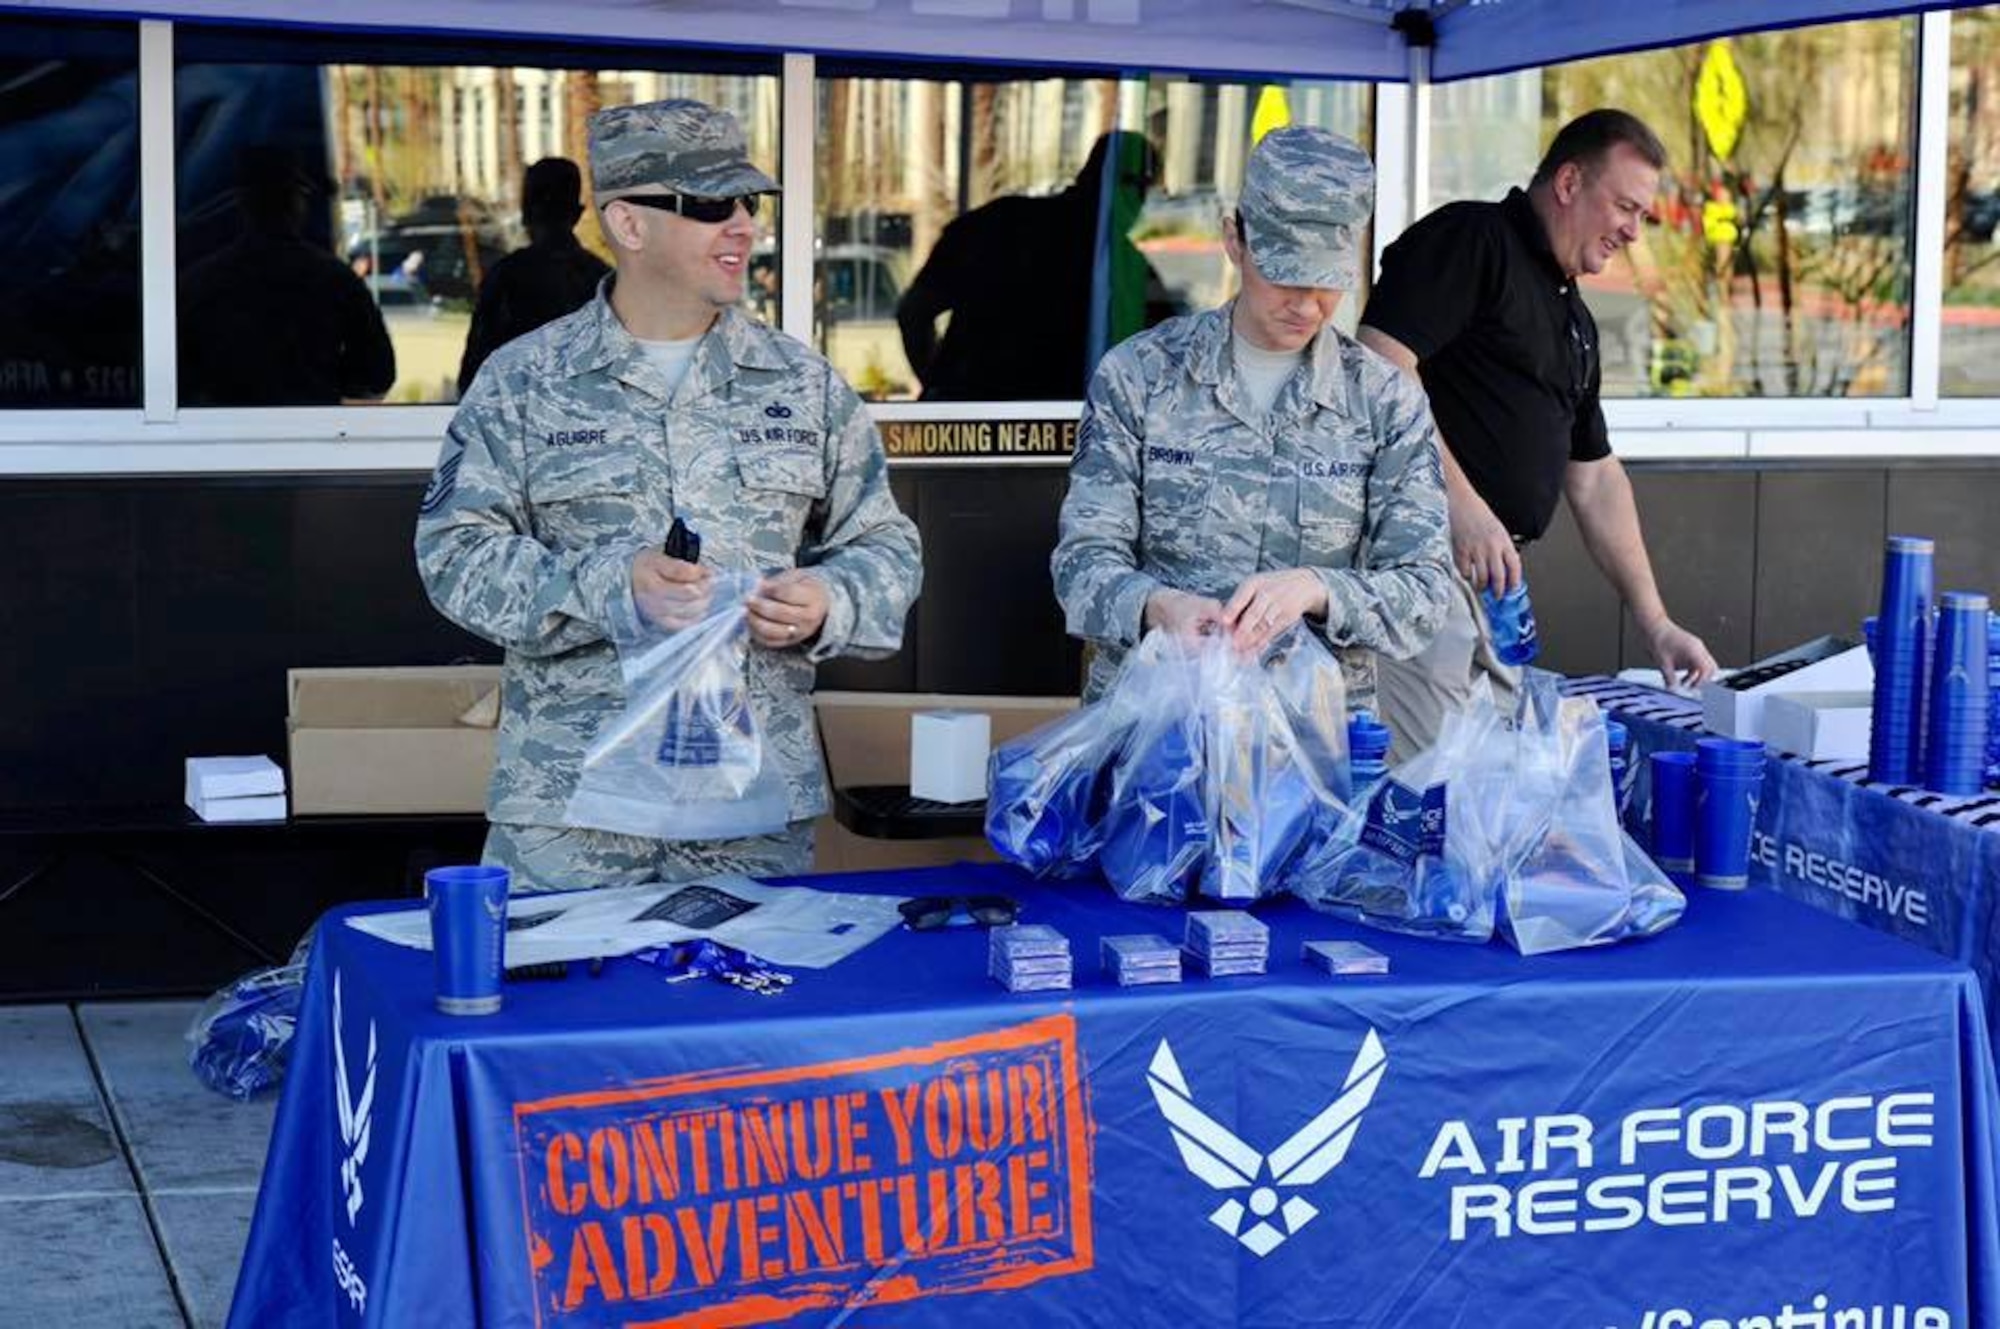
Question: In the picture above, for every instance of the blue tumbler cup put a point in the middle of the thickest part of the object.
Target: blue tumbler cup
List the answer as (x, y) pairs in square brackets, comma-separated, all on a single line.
[(1673, 814), (1512, 619), (1729, 781), (468, 907), (1367, 754), (1618, 740), (1902, 649), (1993, 701), (1960, 697)]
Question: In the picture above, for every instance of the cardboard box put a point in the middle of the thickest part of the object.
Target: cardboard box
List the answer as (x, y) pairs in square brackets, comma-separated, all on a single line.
[(391, 740), (866, 738), (1734, 706), (1819, 724)]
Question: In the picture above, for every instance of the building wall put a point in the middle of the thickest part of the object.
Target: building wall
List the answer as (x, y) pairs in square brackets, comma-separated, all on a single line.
[(166, 611)]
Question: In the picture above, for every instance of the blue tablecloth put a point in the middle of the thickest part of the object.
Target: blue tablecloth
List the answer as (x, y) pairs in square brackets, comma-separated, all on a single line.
[(1901, 859), (1765, 1108)]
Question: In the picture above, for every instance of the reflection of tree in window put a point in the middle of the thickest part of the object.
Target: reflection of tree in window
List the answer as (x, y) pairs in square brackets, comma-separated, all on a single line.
[(1970, 343), (1783, 268)]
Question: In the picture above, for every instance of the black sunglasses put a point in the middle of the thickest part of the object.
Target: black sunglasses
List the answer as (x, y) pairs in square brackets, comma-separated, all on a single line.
[(930, 912), (707, 210)]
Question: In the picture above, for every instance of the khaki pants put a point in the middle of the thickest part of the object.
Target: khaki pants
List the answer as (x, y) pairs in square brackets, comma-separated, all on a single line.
[(563, 858), (1414, 694)]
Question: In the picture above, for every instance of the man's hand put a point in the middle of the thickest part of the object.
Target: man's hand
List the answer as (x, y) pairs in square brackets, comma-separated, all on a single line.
[(670, 593), (1183, 614), (1481, 546), (787, 610), (1271, 602), (1684, 662)]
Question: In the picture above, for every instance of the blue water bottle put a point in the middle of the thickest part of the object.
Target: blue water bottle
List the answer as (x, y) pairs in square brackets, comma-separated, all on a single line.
[(1367, 755), (1513, 621)]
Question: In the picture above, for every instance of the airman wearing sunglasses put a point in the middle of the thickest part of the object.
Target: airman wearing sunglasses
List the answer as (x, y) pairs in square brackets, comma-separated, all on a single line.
[(578, 447)]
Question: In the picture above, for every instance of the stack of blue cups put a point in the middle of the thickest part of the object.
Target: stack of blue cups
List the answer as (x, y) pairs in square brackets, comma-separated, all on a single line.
[(1902, 645), (1673, 814), (1729, 783), (1993, 701), (1960, 696), (1367, 755), (1619, 740)]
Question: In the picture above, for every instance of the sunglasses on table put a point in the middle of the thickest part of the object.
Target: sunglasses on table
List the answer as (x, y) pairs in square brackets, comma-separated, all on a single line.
[(708, 210), (931, 912)]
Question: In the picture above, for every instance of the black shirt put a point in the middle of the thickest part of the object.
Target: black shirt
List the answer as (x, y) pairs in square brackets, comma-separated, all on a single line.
[(1506, 347), (524, 290), (274, 321)]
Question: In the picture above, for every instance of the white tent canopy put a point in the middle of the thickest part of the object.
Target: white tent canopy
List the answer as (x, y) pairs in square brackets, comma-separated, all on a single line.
[(1358, 39)]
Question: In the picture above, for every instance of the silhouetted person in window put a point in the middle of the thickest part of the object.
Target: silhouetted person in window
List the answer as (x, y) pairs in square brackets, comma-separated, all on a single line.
[(539, 284), (272, 319), (1037, 288)]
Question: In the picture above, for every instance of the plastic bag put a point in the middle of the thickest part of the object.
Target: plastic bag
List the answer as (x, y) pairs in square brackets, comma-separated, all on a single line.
[(1276, 736), (1413, 858), (684, 760), (1505, 823), (1049, 788), (241, 1038), (1570, 876), (1214, 769)]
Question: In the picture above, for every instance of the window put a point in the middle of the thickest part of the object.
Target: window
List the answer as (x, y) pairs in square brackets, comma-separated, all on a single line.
[(986, 237), (338, 214), (69, 214), (1781, 262), (1971, 340)]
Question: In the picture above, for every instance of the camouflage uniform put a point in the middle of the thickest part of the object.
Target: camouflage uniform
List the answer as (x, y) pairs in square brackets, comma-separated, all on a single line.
[(567, 459), (1179, 482)]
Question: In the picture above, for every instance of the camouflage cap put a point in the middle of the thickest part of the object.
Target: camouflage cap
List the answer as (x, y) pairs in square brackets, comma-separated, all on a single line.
[(1306, 195), (678, 146)]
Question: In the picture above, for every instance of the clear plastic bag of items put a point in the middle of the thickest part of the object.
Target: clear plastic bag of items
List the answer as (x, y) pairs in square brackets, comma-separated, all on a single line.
[(241, 1038), (1506, 824), (685, 759), (1199, 770)]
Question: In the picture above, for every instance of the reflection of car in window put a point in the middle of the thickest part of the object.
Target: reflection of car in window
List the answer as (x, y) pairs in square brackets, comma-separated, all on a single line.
[(855, 290), (443, 247)]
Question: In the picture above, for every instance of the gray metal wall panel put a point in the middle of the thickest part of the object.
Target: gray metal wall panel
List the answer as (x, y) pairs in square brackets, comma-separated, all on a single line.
[(1576, 611), (1960, 509), (1819, 560), (1700, 528)]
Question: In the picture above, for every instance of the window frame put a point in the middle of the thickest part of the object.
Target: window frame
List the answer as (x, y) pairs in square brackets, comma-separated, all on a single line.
[(159, 437)]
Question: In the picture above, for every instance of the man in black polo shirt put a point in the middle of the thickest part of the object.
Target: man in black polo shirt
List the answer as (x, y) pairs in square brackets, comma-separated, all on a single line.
[(1480, 301)]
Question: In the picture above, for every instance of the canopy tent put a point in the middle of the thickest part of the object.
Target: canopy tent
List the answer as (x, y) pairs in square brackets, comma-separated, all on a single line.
[(1355, 39)]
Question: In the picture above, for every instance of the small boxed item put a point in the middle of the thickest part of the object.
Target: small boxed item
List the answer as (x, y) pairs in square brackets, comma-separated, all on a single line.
[(1345, 957), (1029, 957), (1734, 706), (392, 740), (1141, 958), (948, 752), (1819, 725), (235, 789), (232, 777), (1227, 941)]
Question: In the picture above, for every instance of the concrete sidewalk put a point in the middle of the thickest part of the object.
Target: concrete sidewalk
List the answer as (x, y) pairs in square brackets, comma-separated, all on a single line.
[(126, 1185)]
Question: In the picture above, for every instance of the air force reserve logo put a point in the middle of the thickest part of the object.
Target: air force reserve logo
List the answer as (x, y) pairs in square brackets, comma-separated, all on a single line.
[(1215, 1155), (355, 1111)]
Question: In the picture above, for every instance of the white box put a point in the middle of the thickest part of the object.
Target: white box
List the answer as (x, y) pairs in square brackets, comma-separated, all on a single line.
[(948, 752), (1739, 712), (232, 777), (255, 807), (1819, 724)]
